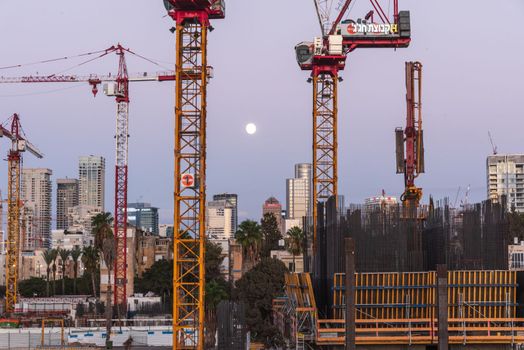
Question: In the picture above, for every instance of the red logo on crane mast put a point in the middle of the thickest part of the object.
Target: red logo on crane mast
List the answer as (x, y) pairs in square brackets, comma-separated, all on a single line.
[(187, 180)]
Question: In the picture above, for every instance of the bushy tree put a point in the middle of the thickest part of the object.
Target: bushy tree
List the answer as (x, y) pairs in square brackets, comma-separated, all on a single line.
[(249, 237), (270, 234), (256, 289)]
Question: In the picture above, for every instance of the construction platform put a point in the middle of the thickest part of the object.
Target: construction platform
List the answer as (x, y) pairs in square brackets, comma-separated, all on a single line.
[(401, 309)]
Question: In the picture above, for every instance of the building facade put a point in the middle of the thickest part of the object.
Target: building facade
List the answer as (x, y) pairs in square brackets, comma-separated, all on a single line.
[(299, 192), (79, 218), (232, 201), (151, 248), (91, 177), (36, 195), (505, 177), (66, 197), (143, 216)]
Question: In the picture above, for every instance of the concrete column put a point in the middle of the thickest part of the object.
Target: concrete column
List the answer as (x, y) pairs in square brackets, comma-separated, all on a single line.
[(442, 307), (350, 294)]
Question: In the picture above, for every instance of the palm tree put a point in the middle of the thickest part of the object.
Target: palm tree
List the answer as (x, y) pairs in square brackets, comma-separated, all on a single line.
[(54, 255), (75, 254), (101, 229), (64, 255), (90, 260), (48, 259), (108, 253), (294, 242), (249, 237)]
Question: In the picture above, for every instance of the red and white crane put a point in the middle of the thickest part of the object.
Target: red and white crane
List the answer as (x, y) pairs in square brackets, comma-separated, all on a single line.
[(118, 86)]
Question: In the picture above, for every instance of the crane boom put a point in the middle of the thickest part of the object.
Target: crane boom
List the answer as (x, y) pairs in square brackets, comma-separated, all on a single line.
[(145, 76)]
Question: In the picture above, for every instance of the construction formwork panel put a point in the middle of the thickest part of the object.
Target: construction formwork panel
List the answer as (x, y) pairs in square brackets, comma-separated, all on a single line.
[(412, 295)]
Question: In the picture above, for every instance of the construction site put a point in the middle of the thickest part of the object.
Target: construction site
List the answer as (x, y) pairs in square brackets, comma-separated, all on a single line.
[(378, 275)]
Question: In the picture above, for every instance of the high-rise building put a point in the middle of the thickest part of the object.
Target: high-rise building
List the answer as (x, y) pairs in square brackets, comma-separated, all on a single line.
[(143, 216), (36, 195), (219, 228), (505, 177), (232, 200), (91, 175), (219, 222), (273, 206), (299, 192), (80, 217), (66, 197)]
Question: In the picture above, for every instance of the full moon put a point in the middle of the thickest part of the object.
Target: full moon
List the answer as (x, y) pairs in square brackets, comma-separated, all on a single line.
[(251, 128)]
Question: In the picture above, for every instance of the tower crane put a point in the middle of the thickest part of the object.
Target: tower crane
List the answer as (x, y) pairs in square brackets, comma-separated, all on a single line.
[(410, 141), (192, 18), (118, 87), (14, 160), (325, 57)]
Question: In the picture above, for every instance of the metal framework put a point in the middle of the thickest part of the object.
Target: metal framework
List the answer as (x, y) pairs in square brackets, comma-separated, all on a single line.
[(190, 196), (13, 230), (412, 164), (14, 161), (192, 24), (325, 58), (120, 220), (325, 146)]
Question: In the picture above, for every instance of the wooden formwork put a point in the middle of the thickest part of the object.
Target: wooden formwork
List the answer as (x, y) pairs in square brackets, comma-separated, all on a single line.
[(400, 308)]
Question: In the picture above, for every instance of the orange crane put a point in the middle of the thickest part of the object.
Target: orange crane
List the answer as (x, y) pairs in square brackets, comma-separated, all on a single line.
[(18, 145), (192, 18), (325, 57), (118, 87)]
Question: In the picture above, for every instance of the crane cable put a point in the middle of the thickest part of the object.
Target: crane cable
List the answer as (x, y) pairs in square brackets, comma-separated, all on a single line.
[(51, 60)]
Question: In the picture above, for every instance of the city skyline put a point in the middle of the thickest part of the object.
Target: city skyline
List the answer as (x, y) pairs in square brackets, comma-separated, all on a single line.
[(363, 126)]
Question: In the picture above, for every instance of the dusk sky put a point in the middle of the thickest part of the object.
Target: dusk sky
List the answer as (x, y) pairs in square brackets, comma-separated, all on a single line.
[(473, 57)]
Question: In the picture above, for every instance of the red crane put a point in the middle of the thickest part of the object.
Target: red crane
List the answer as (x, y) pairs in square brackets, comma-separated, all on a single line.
[(325, 57), (118, 86), (410, 141)]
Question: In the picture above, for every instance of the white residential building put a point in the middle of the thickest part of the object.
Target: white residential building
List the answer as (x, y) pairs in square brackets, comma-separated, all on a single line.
[(91, 175), (505, 176), (299, 192)]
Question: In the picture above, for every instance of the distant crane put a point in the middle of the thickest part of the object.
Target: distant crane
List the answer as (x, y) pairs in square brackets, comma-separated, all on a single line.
[(325, 57), (118, 87), (493, 145), (14, 160), (410, 141)]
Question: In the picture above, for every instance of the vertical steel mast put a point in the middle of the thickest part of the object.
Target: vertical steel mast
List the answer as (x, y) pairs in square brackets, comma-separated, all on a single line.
[(14, 161), (120, 220), (192, 24), (13, 221)]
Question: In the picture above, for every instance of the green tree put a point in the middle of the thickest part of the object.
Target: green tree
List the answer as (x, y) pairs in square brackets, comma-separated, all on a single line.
[(249, 237), (48, 259), (75, 255), (294, 243), (256, 289), (270, 233), (64, 255), (157, 279), (32, 287), (90, 259), (214, 259)]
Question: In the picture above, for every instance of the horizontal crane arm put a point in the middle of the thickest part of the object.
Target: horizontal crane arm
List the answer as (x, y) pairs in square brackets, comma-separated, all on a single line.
[(160, 76)]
